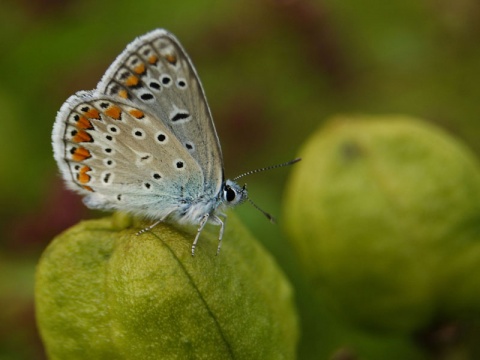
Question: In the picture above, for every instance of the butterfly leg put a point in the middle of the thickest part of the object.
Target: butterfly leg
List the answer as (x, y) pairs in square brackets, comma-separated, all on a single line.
[(222, 224), (203, 222), (151, 226)]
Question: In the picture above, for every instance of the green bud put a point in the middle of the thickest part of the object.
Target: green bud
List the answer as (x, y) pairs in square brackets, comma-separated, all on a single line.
[(375, 211), (102, 292)]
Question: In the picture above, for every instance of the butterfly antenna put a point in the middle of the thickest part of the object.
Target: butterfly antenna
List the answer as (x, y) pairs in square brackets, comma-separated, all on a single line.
[(264, 169), (267, 215)]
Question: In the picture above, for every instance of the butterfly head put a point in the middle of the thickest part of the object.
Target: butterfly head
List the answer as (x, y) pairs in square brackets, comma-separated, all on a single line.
[(234, 194)]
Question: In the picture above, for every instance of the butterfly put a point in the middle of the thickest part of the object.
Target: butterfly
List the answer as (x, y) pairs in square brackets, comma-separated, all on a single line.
[(144, 141)]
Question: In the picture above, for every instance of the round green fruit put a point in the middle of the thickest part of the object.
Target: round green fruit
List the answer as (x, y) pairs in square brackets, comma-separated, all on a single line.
[(381, 211), (102, 292)]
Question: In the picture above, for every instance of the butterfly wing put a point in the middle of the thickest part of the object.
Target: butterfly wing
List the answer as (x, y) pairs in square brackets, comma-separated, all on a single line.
[(144, 140), (155, 71), (122, 157)]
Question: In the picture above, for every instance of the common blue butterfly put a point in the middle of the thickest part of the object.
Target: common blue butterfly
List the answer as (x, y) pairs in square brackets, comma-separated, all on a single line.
[(144, 140)]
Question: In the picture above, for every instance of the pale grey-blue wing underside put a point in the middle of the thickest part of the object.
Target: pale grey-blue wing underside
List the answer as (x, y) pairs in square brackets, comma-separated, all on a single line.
[(155, 71)]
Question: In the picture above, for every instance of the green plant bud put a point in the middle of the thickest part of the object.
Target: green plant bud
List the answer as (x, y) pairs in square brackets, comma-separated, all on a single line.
[(102, 292), (375, 211)]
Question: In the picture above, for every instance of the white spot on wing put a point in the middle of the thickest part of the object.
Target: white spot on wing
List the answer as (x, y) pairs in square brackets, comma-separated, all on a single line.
[(166, 80), (113, 129), (181, 83), (161, 138), (109, 163), (138, 133), (143, 159)]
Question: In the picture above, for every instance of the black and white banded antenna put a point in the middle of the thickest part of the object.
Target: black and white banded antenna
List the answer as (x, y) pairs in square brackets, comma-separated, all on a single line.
[(267, 215), (291, 162)]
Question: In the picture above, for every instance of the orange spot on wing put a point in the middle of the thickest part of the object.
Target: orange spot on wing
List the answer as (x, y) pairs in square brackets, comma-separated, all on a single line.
[(93, 113), (83, 177), (82, 136), (172, 59), (123, 94), (114, 112), (87, 188), (137, 113), (153, 59), (132, 80), (81, 154), (84, 123), (139, 69)]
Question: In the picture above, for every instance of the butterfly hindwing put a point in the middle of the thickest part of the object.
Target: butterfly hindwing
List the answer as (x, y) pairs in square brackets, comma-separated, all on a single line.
[(122, 157)]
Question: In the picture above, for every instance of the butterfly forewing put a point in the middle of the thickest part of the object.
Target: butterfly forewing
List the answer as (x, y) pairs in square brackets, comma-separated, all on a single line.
[(155, 71)]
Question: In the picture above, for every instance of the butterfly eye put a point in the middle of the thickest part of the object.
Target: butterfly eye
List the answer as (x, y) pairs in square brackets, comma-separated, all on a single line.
[(229, 194)]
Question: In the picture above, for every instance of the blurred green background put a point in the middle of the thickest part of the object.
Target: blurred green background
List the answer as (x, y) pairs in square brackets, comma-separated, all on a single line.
[(273, 71)]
